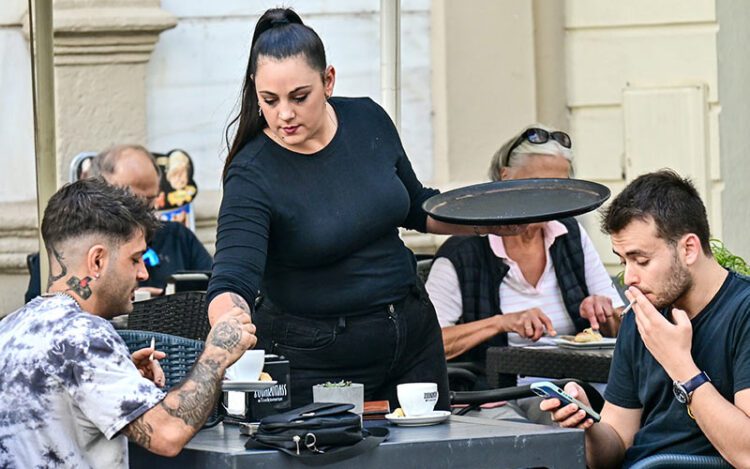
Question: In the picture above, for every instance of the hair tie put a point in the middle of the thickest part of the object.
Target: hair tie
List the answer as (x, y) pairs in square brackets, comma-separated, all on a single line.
[(279, 21)]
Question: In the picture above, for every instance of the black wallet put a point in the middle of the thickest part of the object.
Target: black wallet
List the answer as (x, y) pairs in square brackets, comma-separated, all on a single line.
[(318, 433)]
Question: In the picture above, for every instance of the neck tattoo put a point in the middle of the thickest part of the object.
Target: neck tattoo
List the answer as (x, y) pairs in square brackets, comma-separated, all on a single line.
[(80, 286)]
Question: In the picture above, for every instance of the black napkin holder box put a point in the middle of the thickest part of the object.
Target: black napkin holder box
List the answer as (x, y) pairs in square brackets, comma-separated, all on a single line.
[(251, 406)]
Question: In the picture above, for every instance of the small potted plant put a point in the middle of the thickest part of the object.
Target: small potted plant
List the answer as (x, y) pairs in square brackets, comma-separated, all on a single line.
[(343, 392)]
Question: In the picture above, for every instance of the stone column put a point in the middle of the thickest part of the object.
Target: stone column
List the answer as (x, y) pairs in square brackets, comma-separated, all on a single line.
[(101, 51)]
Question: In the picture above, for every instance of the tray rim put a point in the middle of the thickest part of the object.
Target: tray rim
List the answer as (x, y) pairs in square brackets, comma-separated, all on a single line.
[(603, 192)]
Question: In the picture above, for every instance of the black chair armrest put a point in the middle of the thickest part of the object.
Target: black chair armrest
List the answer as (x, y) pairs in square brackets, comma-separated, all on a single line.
[(518, 392), (475, 368), (682, 461), (460, 378)]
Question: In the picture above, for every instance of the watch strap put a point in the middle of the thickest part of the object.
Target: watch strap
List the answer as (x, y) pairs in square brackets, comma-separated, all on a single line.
[(693, 383)]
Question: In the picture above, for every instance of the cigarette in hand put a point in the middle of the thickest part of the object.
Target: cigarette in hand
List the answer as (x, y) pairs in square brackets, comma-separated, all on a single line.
[(153, 344), (630, 306)]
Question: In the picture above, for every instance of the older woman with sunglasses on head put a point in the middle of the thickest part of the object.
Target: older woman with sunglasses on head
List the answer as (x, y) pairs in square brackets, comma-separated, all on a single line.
[(512, 290)]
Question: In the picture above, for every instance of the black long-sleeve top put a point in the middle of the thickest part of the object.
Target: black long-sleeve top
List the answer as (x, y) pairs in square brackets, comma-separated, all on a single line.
[(320, 231)]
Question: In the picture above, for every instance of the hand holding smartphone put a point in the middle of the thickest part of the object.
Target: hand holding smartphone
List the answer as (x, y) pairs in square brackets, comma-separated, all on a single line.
[(549, 390)]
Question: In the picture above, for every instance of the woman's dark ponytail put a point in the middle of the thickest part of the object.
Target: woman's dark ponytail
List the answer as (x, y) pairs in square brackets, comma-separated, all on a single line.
[(279, 33)]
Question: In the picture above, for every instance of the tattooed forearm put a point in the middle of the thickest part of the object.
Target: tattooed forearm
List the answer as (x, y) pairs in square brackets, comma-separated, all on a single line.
[(226, 334), (239, 302), (139, 431), (194, 399), (63, 269)]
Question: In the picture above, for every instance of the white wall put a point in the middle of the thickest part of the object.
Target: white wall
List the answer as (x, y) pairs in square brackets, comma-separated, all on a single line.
[(196, 72), (734, 122), (616, 51), (17, 182)]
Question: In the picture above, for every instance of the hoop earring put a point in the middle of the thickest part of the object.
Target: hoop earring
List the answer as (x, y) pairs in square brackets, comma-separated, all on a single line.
[(260, 112)]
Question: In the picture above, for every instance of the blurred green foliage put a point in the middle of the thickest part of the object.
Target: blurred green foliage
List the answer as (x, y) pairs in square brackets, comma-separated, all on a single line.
[(728, 260)]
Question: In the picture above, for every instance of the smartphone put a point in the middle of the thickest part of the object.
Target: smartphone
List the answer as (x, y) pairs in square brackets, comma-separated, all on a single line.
[(549, 390)]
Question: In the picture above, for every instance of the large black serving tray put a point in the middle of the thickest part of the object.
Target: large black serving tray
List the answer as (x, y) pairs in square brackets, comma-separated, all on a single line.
[(517, 201)]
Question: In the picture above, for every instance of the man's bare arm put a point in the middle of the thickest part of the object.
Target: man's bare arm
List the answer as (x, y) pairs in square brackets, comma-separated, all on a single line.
[(726, 425), (225, 302), (607, 440), (166, 428), (461, 338)]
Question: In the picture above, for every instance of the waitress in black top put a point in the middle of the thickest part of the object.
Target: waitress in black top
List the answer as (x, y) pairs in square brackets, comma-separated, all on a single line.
[(315, 189)]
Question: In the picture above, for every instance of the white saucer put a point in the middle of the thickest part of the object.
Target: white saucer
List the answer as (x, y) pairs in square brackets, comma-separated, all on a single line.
[(432, 418), (232, 385)]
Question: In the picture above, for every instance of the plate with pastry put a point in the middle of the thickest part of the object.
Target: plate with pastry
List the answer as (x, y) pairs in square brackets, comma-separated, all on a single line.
[(587, 339)]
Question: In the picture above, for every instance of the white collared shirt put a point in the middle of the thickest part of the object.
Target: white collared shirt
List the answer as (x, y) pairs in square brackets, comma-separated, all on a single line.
[(516, 293)]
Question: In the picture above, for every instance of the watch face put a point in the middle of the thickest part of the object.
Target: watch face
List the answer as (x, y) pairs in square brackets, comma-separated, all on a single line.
[(680, 393)]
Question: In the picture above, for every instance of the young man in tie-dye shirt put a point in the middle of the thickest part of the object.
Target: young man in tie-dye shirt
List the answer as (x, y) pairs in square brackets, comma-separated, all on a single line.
[(71, 392)]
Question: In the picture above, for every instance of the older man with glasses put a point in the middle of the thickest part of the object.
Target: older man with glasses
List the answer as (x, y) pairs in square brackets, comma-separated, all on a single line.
[(174, 247)]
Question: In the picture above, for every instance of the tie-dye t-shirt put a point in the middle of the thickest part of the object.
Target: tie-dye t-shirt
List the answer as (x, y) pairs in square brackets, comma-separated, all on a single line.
[(67, 387)]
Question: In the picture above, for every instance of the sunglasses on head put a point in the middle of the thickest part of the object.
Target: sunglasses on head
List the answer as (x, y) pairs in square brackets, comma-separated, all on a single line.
[(538, 137)]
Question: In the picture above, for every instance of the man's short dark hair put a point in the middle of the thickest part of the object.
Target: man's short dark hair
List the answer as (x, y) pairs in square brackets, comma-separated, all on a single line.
[(670, 200), (91, 206)]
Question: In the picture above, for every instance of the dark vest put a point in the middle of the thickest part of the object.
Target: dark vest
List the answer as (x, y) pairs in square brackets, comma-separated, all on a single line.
[(480, 274)]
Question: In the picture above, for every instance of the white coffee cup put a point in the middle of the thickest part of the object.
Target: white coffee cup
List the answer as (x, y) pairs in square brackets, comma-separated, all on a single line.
[(248, 367), (141, 295), (417, 398)]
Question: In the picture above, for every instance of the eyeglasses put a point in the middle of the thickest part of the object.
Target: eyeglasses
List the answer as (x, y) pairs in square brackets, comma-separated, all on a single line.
[(538, 137)]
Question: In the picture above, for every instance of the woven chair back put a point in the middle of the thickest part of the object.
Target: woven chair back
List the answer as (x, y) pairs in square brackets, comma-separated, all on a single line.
[(181, 352), (182, 314)]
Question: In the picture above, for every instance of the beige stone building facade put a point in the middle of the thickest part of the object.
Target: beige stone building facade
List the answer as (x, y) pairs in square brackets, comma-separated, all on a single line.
[(640, 85)]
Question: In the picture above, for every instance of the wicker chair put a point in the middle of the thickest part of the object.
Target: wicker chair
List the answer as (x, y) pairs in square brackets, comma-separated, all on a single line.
[(182, 314), (181, 352), (181, 356)]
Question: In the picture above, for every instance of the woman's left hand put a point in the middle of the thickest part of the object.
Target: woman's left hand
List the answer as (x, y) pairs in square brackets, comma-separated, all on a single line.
[(503, 230), (150, 369), (440, 227)]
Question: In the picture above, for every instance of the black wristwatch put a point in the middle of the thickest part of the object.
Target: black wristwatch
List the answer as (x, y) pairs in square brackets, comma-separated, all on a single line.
[(684, 391)]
